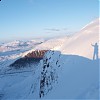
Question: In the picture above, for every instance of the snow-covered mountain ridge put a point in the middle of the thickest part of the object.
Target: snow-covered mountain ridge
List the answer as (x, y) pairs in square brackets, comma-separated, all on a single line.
[(66, 71)]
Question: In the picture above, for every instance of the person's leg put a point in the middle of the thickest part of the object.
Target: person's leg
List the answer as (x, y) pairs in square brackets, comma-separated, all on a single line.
[(94, 56)]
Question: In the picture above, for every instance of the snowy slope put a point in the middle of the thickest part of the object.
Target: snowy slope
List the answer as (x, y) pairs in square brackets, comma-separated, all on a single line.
[(13, 79), (78, 78), (20, 84), (80, 43)]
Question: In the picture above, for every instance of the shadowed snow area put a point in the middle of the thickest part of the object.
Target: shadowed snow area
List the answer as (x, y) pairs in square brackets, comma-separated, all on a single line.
[(72, 77), (78, 79)]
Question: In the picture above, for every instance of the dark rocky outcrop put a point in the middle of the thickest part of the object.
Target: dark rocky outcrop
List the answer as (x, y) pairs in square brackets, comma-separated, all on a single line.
[(29, 60), (36, 54)]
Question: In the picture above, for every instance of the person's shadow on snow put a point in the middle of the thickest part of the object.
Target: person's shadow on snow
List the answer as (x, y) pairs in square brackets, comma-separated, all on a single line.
[(95, 54)]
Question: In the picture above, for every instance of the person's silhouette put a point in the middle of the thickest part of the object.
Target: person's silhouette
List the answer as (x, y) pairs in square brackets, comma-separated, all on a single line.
[(95, 55)]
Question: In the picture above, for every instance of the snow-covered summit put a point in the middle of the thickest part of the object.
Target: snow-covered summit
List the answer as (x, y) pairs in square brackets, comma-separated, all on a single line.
[(80, 43), (77, 44), (92, 24)]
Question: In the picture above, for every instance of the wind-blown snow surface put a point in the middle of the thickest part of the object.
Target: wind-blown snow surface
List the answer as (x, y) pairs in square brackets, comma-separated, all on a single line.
[(67, 70)]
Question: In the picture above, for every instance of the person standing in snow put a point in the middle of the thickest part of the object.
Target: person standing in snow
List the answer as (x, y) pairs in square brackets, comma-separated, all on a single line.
[(95, 55)]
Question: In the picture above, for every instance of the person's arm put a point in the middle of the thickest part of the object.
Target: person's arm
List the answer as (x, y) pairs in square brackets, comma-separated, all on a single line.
[(92, 45)]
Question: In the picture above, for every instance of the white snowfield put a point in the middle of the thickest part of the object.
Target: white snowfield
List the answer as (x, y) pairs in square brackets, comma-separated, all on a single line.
[(80, 43), (75, 75)]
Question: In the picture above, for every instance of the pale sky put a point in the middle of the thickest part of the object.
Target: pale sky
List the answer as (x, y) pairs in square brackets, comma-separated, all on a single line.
[(22, 19)]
